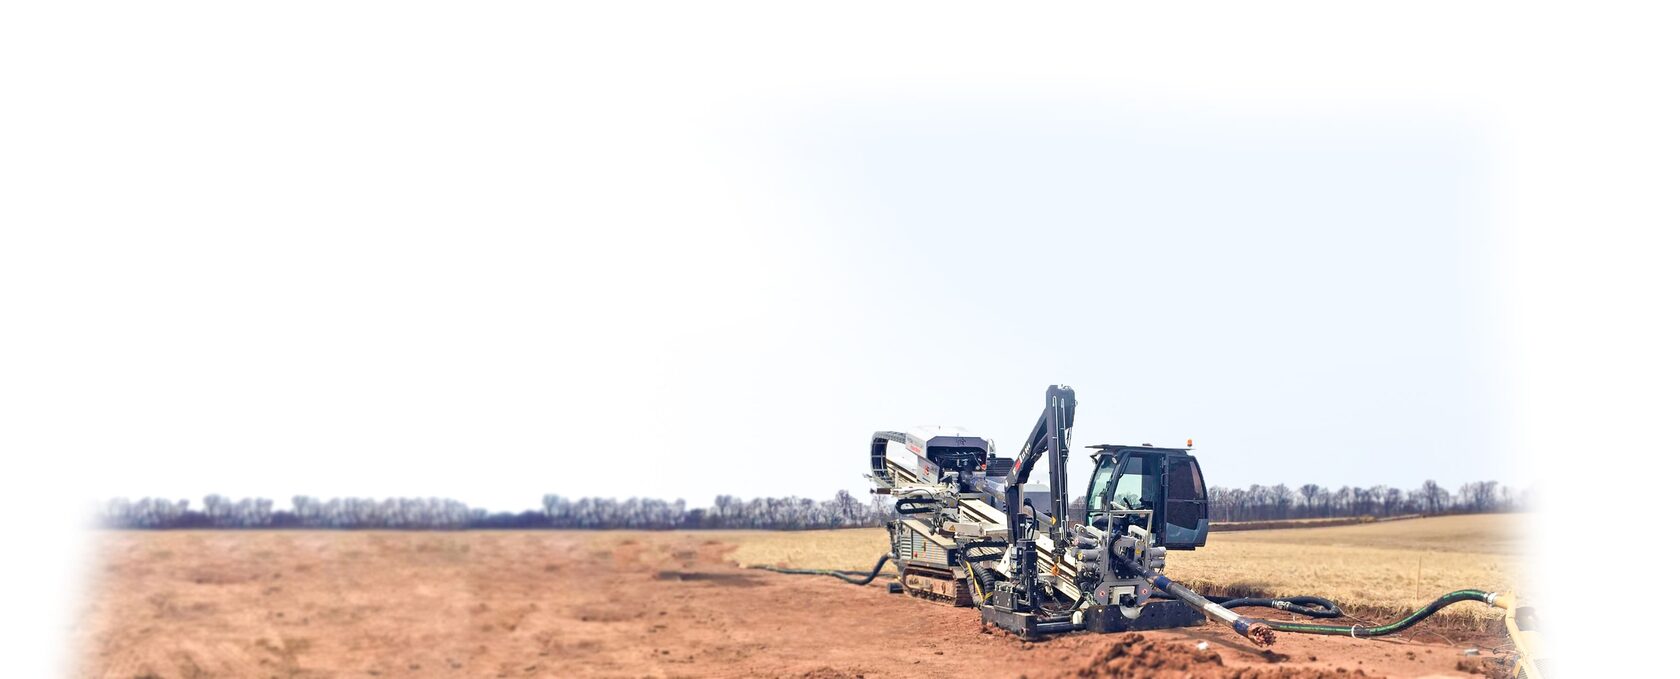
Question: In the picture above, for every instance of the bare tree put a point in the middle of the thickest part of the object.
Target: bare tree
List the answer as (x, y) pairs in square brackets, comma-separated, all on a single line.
[(1392, 501), (1434, 497), (1282, 500), (1309, 494)]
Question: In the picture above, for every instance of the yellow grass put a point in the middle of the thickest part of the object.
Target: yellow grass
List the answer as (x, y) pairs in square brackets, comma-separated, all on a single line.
[(1374, 569), (1382, 568), (846, 549)]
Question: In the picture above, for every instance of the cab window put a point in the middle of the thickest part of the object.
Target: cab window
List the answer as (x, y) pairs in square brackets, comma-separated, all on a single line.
[(1135, 487), (1184, 480), (1100, 480), (1186, 511)]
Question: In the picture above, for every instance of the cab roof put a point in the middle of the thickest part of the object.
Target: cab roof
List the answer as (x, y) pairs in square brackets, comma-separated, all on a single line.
[(1114, 449)]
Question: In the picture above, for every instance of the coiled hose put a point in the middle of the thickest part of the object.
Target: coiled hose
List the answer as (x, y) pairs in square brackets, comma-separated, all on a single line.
[(854, 577), (1310, 606), (1261, 630), (1361, 631)]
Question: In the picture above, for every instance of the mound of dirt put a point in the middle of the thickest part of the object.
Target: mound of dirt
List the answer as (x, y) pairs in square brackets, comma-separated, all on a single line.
[(1134, 655), (1490, 666), (830, 673)]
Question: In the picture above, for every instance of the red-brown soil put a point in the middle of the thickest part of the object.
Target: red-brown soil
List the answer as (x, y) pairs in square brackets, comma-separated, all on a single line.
[(564, 604)]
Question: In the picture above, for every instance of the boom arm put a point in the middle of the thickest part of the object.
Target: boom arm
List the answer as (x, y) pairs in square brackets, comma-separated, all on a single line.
[(1049, 434)]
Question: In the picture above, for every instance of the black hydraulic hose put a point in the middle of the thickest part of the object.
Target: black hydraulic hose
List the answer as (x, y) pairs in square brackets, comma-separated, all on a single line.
[(848, 576), (1261, 630), (1310, 606), (1361, 631)]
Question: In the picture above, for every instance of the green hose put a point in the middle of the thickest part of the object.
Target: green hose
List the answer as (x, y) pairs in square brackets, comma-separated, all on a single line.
[(1359, 631)]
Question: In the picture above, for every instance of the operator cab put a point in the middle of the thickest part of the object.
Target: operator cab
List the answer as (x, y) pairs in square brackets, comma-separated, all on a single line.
[(1164, 482)]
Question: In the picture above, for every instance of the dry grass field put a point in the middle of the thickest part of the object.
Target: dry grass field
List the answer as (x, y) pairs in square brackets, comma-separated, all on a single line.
[(1373, 569)]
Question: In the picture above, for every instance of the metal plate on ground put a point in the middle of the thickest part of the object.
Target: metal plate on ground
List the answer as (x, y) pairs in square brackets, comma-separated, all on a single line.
[(1099, 619), (1027, 625), (1155, 615)]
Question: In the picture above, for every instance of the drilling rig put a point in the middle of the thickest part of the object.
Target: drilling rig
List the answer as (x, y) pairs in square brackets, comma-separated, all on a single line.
[(968, 530)]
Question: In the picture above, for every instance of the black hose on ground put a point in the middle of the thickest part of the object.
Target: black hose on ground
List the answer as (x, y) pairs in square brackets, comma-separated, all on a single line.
[(1310, 606), (854, 577), (1361, 631), (1262, 630)]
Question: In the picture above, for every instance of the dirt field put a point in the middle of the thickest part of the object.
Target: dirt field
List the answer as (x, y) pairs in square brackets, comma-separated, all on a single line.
[(565, 604)]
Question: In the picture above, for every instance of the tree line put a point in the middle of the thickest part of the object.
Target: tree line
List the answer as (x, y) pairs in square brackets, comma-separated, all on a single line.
[(1310, 501), (1255, 503), (787, 513)]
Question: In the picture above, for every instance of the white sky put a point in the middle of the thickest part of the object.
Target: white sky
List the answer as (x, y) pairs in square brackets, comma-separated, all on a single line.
[(735, 311), (489, 252), (456, 272)]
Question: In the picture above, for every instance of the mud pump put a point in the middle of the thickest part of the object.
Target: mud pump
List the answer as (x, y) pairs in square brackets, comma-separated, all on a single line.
[(968, 530)]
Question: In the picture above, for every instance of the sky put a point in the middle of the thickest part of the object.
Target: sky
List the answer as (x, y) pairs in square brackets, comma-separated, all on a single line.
[(368, 299), (675, 250), (1302, 294)]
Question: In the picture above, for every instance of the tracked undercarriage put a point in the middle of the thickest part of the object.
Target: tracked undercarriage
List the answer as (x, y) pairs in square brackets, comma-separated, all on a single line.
[(936, 584)]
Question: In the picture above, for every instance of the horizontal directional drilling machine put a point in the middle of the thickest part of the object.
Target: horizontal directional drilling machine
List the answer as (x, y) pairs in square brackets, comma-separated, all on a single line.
[(968, 530)]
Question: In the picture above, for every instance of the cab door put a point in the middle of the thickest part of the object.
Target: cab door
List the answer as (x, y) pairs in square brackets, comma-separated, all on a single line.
[(1102, 482), (1185, 524)]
